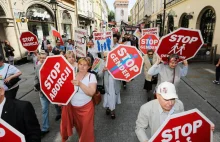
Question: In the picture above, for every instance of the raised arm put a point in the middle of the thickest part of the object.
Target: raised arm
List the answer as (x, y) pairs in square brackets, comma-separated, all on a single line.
[(184, 70)]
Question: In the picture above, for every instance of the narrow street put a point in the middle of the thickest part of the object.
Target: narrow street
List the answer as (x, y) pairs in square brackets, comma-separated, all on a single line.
[(123, 127)]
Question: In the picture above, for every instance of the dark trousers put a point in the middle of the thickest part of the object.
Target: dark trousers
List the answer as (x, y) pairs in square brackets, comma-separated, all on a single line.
[(124, 83), (58, 109), (217, 73), (11, 94)]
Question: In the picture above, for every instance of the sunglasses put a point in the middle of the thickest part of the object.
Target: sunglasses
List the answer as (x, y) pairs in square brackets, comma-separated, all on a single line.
[(105, 56), (150, 54)]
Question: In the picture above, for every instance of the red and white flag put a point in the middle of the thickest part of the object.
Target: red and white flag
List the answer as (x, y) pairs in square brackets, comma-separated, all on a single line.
[(57, 34)]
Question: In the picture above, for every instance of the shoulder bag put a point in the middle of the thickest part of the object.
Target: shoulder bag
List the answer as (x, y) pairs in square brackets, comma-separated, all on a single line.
[(96, 98), (13, 81)]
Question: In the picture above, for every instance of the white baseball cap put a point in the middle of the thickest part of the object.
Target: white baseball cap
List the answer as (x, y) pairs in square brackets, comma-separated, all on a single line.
[(167, 90)]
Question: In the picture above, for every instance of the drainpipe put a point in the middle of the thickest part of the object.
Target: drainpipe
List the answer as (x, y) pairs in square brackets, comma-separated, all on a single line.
[(164, 14), (15, 23)]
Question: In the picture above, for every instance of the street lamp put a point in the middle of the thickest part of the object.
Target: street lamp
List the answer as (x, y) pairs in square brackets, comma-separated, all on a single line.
[(54, 4)]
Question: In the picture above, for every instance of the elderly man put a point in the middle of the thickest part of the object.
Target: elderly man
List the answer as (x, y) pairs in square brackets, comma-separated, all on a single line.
[(21, 116), (50, 49), (154, 113)]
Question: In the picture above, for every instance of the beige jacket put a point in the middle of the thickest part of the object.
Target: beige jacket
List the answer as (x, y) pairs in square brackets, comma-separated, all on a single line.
[(147, 66), (149, 118)]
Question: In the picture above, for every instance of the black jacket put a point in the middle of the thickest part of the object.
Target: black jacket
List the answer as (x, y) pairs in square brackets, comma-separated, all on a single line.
[(9, 50), (21, 115)]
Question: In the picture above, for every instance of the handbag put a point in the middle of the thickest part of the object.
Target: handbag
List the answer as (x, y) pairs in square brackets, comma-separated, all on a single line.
[(97, 98), (101, 89), (13, 81)]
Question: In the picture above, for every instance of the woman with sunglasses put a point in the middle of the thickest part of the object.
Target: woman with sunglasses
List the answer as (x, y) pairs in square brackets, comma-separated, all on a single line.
[(80, 112), (170, 71), (149, 59)]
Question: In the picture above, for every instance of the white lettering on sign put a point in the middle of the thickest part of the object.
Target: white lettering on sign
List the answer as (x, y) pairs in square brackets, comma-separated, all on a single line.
[(180, 39), (149, 41), (125, 62), (27, 39), (41, 15), (184, 131), (2, 132), (60, 81)]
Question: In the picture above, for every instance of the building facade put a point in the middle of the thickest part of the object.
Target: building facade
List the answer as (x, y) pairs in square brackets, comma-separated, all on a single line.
[(121, 11), (39, 17), (105, 11), (86, 16)]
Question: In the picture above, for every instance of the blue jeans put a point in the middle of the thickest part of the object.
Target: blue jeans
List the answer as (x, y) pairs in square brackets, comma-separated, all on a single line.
[(45, 112)]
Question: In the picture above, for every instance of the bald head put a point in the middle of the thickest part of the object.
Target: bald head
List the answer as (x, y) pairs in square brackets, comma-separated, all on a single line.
[(49, 47)]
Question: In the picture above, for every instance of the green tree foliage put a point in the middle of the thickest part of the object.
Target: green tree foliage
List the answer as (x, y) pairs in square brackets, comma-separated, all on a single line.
[(111, 16)]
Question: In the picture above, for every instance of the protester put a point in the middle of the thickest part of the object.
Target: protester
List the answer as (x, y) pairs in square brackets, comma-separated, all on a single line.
[(58, 48), (8, 75), (81, 110), (44, 101), (9, 52), (154, 113), (171, 71), (217, 73), (91, 49), (71, 58), (70, 46), (44, 44), (50, 49), (112, 91), (149, 59), (34, 57), (21, 116)]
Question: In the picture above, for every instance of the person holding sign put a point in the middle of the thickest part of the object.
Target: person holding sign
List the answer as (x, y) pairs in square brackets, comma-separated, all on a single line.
[(171, 71), (112, 90), (149, 117), (81, 107)]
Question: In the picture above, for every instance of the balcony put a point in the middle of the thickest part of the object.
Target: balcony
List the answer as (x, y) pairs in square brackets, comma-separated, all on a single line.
[(172, 2)]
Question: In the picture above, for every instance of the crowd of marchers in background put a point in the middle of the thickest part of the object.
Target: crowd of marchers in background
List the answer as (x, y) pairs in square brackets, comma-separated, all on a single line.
[(79, 113)]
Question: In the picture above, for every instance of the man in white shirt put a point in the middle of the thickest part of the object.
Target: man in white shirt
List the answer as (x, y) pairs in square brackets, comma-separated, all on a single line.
[(154, 113)]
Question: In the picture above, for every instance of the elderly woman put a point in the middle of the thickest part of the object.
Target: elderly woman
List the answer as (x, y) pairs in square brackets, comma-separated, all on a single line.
[(170, 72), (7, 73), (112, 91), (80, 112)]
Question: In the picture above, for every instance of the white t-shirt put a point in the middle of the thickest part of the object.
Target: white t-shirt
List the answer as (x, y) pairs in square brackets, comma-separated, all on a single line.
[(80, 98), (11, 70)]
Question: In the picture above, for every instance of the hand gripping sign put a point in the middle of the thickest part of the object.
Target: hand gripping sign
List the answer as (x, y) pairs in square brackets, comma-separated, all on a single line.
[(147, 42), (124, 62), (184, 42), (29, 41), (188, 126), (9, 134), (55, 80)]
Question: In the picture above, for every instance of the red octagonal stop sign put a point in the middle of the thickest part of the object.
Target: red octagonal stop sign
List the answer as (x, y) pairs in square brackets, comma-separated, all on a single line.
[(148, 41), (9, 134), (188, 126), (124, 62), (55, 80), (184, 42), (29, 41)]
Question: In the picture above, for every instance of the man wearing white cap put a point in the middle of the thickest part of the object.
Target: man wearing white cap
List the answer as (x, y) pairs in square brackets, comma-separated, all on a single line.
[(154, 113)]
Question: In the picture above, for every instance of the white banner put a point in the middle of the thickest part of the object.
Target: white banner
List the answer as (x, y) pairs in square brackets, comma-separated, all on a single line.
[(154, 31), (80, 42)]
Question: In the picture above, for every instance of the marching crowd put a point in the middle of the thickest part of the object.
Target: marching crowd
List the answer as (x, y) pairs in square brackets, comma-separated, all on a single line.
[(79, 113)]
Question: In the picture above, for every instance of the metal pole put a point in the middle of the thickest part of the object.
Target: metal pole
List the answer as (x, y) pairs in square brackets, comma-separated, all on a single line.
[(55, 18), (164, 14)]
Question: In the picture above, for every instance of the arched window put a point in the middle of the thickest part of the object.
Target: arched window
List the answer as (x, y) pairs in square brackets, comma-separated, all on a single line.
[(170, 24), (2, 13), (207, 25), (184, 21)]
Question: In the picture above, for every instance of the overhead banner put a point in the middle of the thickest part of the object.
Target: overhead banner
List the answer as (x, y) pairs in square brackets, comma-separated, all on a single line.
[(154, 31), (103, 41), (80, 42)]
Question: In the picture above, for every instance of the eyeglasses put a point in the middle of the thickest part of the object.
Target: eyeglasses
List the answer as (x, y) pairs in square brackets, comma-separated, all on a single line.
[(150, 54)]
